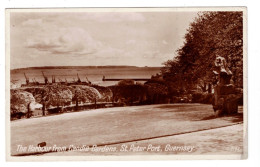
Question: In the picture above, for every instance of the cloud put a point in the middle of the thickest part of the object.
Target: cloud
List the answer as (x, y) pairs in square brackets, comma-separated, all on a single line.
[(42, 45), (65, 41), (109, 52), (53, 38), (165, 42)]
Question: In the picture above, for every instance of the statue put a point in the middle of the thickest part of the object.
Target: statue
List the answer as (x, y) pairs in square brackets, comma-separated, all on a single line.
[(223, 71), (225, 99)]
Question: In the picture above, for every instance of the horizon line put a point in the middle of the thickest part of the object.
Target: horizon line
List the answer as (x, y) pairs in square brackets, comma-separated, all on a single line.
[(82, 66)]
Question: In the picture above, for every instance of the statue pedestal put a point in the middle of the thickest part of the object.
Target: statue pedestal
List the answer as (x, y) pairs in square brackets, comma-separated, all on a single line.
[(225, 100)]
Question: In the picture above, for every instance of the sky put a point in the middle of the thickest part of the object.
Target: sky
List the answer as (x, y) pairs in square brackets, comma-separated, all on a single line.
[(96, 38)]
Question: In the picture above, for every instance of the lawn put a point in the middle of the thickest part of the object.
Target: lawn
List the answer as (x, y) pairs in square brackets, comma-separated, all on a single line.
[(116, 125)]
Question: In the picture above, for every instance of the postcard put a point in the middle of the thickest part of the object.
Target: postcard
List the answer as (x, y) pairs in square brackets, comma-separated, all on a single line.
[(126, 83)]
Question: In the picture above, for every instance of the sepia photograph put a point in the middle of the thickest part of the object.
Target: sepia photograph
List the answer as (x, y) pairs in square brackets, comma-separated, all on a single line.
[(126, 83)]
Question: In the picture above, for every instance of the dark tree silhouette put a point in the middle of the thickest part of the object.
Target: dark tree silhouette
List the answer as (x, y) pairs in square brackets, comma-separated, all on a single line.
[(210, 34)]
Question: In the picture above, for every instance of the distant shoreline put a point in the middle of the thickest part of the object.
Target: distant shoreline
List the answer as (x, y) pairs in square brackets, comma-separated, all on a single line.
[(81, 67)]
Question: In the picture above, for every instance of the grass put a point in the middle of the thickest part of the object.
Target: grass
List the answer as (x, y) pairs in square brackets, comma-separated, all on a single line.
[(111, 125)]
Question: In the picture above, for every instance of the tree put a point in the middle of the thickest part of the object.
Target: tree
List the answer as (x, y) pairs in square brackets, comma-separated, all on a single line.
[(85, 94), (128, 91), (105, 92), (126, 82), (157, 90), (210, 34), (20, 100), (57, 95)]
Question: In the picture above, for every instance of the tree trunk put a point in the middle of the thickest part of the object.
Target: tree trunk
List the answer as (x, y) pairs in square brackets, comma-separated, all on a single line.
[(29, 111), (43, 109), (204, 88), (209, 88), (77, 104)]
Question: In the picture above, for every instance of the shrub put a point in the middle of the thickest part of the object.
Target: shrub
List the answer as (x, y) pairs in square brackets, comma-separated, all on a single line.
[(204, 98), (20, 100), (126, 82), (106, 93), (85, 93), (57, 95), (129, 93)]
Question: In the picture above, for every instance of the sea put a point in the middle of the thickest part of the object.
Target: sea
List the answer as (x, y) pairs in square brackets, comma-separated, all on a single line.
[(94, 74)]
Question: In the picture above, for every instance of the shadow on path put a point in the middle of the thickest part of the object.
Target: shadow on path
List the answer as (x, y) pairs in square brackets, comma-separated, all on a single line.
[(234, 117)]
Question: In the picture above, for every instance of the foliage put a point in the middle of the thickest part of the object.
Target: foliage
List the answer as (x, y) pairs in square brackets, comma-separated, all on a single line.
[(105, 92), (20, 100), (211, 34), (37, 92), (126, 82), (57, 95), (155, 87), (85, 93), (130, 93), (204, 98)]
